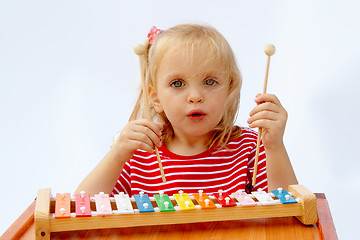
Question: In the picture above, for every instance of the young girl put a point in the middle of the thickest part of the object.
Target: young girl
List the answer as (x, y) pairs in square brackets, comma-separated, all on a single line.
[(193, 85)]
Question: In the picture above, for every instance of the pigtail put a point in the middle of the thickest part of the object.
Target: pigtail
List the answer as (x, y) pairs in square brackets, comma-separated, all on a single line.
[(142, 105)]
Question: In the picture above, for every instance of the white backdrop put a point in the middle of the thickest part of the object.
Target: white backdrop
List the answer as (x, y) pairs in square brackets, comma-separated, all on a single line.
[(69, 78)]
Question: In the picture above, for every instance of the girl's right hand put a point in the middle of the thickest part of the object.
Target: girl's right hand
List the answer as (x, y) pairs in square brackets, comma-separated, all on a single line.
[(138, 134)]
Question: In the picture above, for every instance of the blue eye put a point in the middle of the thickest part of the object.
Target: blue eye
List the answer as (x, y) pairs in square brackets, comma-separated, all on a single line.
[(210, 82), (177, 83)]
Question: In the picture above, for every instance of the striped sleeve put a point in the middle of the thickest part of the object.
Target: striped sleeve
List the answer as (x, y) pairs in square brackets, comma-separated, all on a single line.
[(123, 184), (261, 176)]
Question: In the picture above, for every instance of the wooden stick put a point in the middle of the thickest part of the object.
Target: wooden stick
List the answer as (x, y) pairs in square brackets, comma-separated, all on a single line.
[(269, 50), (139, 50)]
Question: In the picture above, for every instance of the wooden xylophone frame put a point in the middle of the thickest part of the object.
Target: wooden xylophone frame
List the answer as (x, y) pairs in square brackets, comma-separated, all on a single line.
[(305, 210)]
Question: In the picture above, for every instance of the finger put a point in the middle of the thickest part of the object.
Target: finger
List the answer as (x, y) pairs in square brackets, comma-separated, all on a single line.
[(147, 135), (266, 106), (139, 131), (133, 134), (141, 137), (260, 98), (141, 145), (266, 115), (155, 127), (265, 124)]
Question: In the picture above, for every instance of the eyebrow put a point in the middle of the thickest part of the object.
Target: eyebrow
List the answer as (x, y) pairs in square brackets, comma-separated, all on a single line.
[(212, 73), (173, 75)]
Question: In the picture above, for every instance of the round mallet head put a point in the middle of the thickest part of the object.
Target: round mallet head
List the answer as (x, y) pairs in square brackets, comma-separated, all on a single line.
[(139, 49), (269, 49)]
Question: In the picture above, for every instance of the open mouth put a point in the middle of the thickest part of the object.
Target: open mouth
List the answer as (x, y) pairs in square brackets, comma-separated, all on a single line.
[(196, 115)]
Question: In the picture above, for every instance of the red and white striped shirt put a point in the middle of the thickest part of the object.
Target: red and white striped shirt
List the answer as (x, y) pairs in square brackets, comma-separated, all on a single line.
[(209, 171)]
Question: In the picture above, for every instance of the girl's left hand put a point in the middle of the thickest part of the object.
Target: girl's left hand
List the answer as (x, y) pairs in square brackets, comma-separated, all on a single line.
[(270, 115)]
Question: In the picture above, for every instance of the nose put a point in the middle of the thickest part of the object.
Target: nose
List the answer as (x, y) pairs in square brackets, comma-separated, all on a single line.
[(195, 96)]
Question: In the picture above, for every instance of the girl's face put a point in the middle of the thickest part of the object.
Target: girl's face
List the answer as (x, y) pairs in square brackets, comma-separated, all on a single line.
[(191, 91)]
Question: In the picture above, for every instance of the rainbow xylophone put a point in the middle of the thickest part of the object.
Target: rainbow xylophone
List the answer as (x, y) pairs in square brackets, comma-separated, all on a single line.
[(66, 213)]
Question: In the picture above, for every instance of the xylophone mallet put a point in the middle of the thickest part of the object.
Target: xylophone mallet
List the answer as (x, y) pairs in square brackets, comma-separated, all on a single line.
[(269, 51), (139, 50)]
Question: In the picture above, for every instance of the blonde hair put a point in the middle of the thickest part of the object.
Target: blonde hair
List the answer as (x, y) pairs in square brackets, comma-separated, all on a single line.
[(189, 37)]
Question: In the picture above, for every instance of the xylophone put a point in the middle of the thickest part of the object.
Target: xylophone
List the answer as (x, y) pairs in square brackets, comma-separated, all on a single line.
[(81, 212)]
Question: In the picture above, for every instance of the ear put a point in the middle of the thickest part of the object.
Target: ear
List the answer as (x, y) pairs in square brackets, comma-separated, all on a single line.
[(155, 100)]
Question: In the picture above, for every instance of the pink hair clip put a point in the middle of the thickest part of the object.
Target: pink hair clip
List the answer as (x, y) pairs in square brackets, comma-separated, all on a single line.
[(152, 34)]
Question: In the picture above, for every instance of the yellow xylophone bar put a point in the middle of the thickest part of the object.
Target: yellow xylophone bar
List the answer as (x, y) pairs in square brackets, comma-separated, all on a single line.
[(305, 210)]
